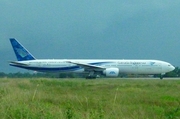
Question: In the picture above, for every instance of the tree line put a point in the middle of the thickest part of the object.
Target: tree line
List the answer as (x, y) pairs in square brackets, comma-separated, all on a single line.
[(40, 75), (174, 73)]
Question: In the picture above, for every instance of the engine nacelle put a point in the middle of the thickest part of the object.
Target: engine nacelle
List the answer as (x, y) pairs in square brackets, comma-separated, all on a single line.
[(111, 72)]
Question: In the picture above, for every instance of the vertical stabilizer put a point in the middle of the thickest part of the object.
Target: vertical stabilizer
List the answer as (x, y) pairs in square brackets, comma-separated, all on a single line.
[(21, 52)]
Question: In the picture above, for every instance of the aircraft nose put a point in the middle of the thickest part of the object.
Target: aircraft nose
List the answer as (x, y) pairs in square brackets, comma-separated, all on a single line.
[(169, 68), (172, 68)]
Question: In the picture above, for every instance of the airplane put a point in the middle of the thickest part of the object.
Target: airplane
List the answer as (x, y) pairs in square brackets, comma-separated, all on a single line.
[(93, 67)]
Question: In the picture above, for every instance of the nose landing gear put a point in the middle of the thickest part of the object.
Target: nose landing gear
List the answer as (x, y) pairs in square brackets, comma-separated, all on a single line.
[(162, 76)]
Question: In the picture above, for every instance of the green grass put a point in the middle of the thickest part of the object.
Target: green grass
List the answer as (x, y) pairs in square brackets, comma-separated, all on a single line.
[(89, 99)]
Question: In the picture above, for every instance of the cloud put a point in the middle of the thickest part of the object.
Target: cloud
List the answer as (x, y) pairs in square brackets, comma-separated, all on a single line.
[(92, 29)]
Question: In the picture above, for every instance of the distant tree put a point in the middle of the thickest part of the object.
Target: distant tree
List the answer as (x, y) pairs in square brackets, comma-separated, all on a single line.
[(174, 73), (2, 74), (177, 71)]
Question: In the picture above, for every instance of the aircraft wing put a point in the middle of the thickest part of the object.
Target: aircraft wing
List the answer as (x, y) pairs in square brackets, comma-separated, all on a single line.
[(88, 67)]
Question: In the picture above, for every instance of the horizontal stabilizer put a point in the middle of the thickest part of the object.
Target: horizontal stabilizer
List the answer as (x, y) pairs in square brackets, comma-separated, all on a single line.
[(17, 63)]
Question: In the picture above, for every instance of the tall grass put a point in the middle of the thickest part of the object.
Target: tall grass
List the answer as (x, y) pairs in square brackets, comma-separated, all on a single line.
[(90, 99)]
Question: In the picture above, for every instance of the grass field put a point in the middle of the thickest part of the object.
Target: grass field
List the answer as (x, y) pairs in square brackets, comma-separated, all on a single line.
[(89, 99)]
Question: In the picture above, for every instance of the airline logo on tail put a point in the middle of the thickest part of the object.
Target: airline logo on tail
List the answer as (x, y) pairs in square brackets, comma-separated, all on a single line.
[(21, 52)]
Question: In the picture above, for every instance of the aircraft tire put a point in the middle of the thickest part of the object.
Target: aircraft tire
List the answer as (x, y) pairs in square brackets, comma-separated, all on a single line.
[(90, 77)]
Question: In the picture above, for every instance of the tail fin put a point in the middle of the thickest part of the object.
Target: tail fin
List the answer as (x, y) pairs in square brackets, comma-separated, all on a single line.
[(21, 52)]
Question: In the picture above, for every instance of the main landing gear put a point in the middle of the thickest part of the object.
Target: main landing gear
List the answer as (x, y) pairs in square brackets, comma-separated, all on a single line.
[(161, 77), (91, 75)]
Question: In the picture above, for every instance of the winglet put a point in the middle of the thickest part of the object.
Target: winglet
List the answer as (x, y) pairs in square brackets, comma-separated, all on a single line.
[(21, 52)]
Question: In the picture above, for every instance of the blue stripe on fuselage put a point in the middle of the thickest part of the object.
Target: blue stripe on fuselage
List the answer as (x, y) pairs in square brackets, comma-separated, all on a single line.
[(51, 69), (57, 69)]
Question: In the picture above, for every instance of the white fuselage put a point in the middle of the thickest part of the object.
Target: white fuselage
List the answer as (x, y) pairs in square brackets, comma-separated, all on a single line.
[(124, 66)]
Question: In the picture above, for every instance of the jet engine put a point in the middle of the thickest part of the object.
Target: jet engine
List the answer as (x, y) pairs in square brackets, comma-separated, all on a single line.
[(111, 72)]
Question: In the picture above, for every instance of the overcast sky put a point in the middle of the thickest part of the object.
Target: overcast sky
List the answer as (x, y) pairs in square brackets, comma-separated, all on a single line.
[(91, 29)]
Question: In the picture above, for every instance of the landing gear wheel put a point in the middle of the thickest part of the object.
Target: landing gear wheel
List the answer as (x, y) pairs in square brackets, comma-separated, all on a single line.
[(91, 77), (161, 77)]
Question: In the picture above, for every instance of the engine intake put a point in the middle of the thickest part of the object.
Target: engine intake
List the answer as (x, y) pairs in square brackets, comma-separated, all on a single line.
[(111, 72)]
